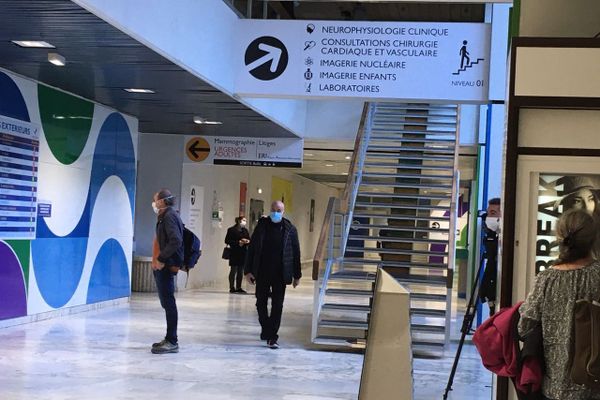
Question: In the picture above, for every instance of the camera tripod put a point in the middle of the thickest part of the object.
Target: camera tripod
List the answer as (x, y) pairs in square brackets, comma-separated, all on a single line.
[(467, 323)]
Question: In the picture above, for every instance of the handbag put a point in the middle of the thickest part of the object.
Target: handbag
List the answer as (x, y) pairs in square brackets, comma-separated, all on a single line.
[(585, 364), (226, 253)]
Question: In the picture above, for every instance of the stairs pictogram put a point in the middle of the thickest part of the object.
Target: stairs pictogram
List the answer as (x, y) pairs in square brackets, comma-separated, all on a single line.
[(463, 69)]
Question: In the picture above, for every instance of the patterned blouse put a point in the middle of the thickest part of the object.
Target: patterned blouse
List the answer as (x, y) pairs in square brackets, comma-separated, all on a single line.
[(552, 301)]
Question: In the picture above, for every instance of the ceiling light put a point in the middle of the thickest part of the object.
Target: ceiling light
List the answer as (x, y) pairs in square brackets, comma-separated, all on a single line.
[(138, 90), (57, 59), (308, 154), (329, 165), (36, 44), (347, 157), (204, 121), (259, 191), (344, 173)]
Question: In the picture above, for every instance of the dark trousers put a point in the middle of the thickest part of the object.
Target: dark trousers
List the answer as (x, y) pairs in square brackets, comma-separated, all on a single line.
[(275, 288), (237, 274), (165, 283)]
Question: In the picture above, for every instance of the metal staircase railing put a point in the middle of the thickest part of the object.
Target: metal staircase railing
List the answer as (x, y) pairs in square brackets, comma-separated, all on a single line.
[(398, 212)]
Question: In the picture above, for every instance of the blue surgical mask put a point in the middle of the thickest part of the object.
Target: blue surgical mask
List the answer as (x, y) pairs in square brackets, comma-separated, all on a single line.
[(276, 216)]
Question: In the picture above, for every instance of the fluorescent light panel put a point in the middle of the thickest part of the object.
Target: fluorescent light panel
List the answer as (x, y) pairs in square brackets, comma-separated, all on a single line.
[(34, 44), (57, 59), (203, 121), (139, 90)]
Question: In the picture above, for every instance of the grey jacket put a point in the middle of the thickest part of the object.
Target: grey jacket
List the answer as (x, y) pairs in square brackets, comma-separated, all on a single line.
[(169, 234)]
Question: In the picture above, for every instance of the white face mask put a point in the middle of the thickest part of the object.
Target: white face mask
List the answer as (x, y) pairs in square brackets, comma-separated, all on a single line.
[(493, 223), (243, 223), (154, 208)]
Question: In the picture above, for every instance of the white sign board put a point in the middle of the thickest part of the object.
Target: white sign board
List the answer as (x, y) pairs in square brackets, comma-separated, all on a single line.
[(19, 148), (374, 60), (256, 152)]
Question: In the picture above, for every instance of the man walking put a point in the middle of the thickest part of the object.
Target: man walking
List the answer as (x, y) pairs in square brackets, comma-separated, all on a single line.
[(273, 261), (166, 261)]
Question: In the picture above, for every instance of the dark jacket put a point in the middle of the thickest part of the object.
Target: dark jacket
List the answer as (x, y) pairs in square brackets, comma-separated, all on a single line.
[(291, 251), (237, 255), (169, 234)]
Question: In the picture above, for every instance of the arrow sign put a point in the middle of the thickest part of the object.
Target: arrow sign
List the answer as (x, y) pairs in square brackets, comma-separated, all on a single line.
[(266, 58), (194, 149), (197, 149), (273, 55)]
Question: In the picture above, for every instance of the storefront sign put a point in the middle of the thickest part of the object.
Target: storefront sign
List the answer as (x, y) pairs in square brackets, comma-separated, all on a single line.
[(255, 152), (375, 60), (19, 147)]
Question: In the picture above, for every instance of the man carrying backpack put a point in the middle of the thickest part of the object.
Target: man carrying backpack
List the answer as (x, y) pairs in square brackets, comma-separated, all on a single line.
[(166, 262)]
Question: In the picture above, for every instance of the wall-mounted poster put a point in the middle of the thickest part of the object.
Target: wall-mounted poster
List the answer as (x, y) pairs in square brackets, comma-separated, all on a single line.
[(281, 189), (556, 195)]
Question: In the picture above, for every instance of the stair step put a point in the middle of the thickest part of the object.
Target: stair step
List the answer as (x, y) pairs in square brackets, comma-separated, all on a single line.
[(349, 292), (406, 176), (388, 113), (425, 186), (399, 206), (397, 251), (428, 312), (431, 150), (400, 217), (393, 264), (368, 164), (399, 228), (427, 328), (404, 196), (396, 156), (397, 239), (347, 307), (366, 276), (343, 341), (403, 122), (434, 344), (429, 132), (416, 106), (344, 324), (424, 140), (428, 296)]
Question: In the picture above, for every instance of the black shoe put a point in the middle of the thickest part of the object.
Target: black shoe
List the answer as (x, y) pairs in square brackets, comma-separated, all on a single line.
[(166, 347), (232, 291), (241, 291), (272, 344), (158, 344)]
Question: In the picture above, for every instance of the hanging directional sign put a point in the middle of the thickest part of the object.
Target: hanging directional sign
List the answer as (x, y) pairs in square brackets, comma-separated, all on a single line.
[(366, 60), (256, 152)]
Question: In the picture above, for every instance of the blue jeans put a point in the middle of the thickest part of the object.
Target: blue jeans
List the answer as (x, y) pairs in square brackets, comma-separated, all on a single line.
[(165, 283)]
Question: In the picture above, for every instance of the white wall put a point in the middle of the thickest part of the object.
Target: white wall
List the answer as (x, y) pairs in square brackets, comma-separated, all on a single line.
[(560, 18), (161, 165)]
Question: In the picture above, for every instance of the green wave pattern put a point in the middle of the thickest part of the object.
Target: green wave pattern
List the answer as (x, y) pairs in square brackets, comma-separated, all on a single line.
[(66, 120)]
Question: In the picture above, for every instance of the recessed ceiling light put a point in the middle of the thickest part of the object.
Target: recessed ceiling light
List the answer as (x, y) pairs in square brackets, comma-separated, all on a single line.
[(344, 173), (138, 90), (329, 165), (309, 154), (347, 157), (35, 44), (57, 59)]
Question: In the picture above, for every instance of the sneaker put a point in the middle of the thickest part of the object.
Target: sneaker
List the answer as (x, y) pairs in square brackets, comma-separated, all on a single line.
[(158, 344), (241, 291), (272, 344), (166, 347)]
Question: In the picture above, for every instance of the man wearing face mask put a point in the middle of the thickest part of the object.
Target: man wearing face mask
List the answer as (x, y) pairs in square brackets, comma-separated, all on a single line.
[(272, 262), (166, 261), (491, 227), (237, 239)]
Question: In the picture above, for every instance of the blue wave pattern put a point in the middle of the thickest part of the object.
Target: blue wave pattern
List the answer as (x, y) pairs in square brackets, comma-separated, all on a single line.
[(58, 275), (12, 103), (110, 274)]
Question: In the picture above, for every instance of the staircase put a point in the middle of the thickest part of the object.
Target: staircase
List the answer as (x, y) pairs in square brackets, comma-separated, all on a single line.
[(470, 65), (399, 215)]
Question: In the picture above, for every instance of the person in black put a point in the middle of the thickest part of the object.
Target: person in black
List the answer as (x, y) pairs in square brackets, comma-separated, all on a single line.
[(273, 261), (166, 264), (491, 226), (238, 239)]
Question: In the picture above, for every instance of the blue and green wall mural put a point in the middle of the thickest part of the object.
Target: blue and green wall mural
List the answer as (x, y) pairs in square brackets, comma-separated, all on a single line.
[(82, 252)]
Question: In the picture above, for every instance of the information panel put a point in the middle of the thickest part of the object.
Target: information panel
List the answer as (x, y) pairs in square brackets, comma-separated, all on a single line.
[(19, 147), (255, 152), (376, 60)]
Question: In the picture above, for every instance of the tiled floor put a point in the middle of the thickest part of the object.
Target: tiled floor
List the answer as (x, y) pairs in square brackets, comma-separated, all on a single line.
[(105, 355)]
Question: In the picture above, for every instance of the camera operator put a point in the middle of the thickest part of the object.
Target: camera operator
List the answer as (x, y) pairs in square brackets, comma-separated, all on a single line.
[(491, 228)]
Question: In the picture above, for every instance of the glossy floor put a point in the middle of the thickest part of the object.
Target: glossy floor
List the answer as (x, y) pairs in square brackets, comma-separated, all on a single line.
[(105, 354)]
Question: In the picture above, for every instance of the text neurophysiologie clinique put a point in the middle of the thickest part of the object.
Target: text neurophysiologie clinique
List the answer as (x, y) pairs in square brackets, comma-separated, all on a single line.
[(379, 30)]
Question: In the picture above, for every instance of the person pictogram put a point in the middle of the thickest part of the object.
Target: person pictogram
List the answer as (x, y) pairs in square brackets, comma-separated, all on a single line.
[(464, 55)]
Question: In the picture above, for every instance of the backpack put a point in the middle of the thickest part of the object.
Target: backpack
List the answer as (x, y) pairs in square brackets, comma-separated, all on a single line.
[(585, 364), (191, 249), (498, 342)]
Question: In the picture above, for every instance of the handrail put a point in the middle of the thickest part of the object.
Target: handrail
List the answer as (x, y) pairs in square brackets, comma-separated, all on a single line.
[(323, 239), (354, 160)]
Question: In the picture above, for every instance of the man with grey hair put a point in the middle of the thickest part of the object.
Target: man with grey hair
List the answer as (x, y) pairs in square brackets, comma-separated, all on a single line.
[(167, 258), (272, 262)]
